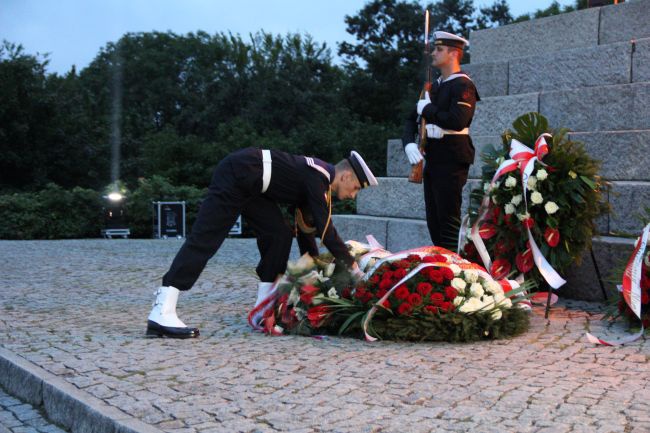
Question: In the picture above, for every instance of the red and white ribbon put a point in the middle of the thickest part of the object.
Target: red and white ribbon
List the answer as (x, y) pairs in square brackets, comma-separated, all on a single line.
[(631, 289), (522, 158), (256, 315)]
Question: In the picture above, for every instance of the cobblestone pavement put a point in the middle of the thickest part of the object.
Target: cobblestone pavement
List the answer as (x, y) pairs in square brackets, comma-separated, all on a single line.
[(78, 310), (18, 417)]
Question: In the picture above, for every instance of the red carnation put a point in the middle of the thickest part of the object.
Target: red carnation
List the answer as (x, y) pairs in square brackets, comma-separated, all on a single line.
[(552, 236), (415, 299), (487, 230), (524, 261), (450, 293), (380, 293), (402, 292), (346, 293), (374, 279), (385, 284), (439, 258), (437, 298), (387, 275), (500, 269), (367, 297), (317, 315), (447, 306), (428, 259), (399, 274), (431, 309), (386, 304), (307, 293), (447, 273), (360, 292), (413, 258), (424, 288), (405, 309), (435, 275)]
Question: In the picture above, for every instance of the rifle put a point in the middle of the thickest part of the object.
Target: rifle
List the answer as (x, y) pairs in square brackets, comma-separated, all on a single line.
[(416, 170)]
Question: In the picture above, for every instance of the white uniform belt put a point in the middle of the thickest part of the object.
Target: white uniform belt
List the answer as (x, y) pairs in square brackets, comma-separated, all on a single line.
[(266, 169), (452, 132)]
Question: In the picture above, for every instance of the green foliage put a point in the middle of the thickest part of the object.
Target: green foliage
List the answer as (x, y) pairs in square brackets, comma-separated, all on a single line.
[(139, 206), (52, 213)]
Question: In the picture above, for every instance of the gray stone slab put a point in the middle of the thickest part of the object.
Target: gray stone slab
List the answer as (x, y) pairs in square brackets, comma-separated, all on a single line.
[(628, 200), (545, 35), (404, 234), (396, 163), (395, 197), (625, 21), (357, 227), (18, 382), (607, 108), (582, 279), (641, 61), (493, 115), (572, 69), (491, 79), (481, 142), (625, 155)]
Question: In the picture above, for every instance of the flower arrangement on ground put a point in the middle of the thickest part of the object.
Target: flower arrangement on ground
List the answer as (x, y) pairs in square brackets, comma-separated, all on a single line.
[(424, 294), (539, 200)]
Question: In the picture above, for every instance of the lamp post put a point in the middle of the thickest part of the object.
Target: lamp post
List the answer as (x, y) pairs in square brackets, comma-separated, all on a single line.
[(114, 221)]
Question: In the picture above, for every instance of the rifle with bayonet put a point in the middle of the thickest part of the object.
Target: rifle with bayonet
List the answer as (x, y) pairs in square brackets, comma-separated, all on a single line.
[(416, 169)]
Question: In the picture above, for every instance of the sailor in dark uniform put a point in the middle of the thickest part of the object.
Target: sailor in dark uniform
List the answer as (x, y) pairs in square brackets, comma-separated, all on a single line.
[(252, 182), (449, 152)]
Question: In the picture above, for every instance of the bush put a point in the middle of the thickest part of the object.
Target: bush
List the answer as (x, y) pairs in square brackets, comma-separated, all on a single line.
[(52, 213)]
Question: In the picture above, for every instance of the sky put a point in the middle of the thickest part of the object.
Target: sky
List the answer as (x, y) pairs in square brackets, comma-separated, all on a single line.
[(73, 31)]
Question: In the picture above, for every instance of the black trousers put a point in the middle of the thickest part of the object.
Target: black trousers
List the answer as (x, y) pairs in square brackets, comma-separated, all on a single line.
[(443, 196), (235, 189)]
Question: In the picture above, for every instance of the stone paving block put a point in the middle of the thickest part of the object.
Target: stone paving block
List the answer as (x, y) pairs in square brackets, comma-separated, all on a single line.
[(619, 151), (396, 163), (494, 114), (380, 200), (571, 69), (491, 79), (535, 37), (641, 61), (628, 200), (357, 227), (606, 108), (624, 21)]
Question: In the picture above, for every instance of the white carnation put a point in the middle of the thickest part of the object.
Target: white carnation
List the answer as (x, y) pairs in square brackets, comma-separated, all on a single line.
[(502, 301), (470, 275), (458, 300), (471, 305), (536, 197), (476, 290), (541, 174), (301, 265), (509, 208), (455, 269), (497, 314), (516, 199), (487, 300), (551, 207), (532, 182), (331, 293), (494, 288), (510, 182), (523, 216), (458, 283)]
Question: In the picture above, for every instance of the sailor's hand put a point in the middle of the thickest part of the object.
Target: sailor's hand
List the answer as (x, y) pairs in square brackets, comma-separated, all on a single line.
[(413, 153), (423, 103), (357, 273)]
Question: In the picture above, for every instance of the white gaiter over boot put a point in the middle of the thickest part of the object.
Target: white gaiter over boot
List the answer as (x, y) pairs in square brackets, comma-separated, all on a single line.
[(163, 321), (263, 291)]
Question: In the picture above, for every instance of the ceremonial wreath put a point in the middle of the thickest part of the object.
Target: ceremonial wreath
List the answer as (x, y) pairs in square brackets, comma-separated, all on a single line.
[(423, 294), (535, 213)]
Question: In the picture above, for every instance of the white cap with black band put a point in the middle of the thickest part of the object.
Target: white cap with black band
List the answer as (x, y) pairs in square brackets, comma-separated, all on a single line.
[(361, 169)]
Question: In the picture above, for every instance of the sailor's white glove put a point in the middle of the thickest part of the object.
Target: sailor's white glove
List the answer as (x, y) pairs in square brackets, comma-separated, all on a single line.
[(357, 274), (423, 103), (434, 131), (413, 153)]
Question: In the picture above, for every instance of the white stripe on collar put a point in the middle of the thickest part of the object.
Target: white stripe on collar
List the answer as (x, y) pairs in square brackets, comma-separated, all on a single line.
[(310, 162), (453, 76)]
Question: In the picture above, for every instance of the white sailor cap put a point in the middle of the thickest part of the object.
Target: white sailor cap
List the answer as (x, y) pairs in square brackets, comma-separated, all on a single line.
[(361, 169), (449, 40)]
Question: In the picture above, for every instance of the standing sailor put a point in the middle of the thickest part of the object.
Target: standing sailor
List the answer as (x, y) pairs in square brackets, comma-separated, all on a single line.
[(252, 182), (448, 152)]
